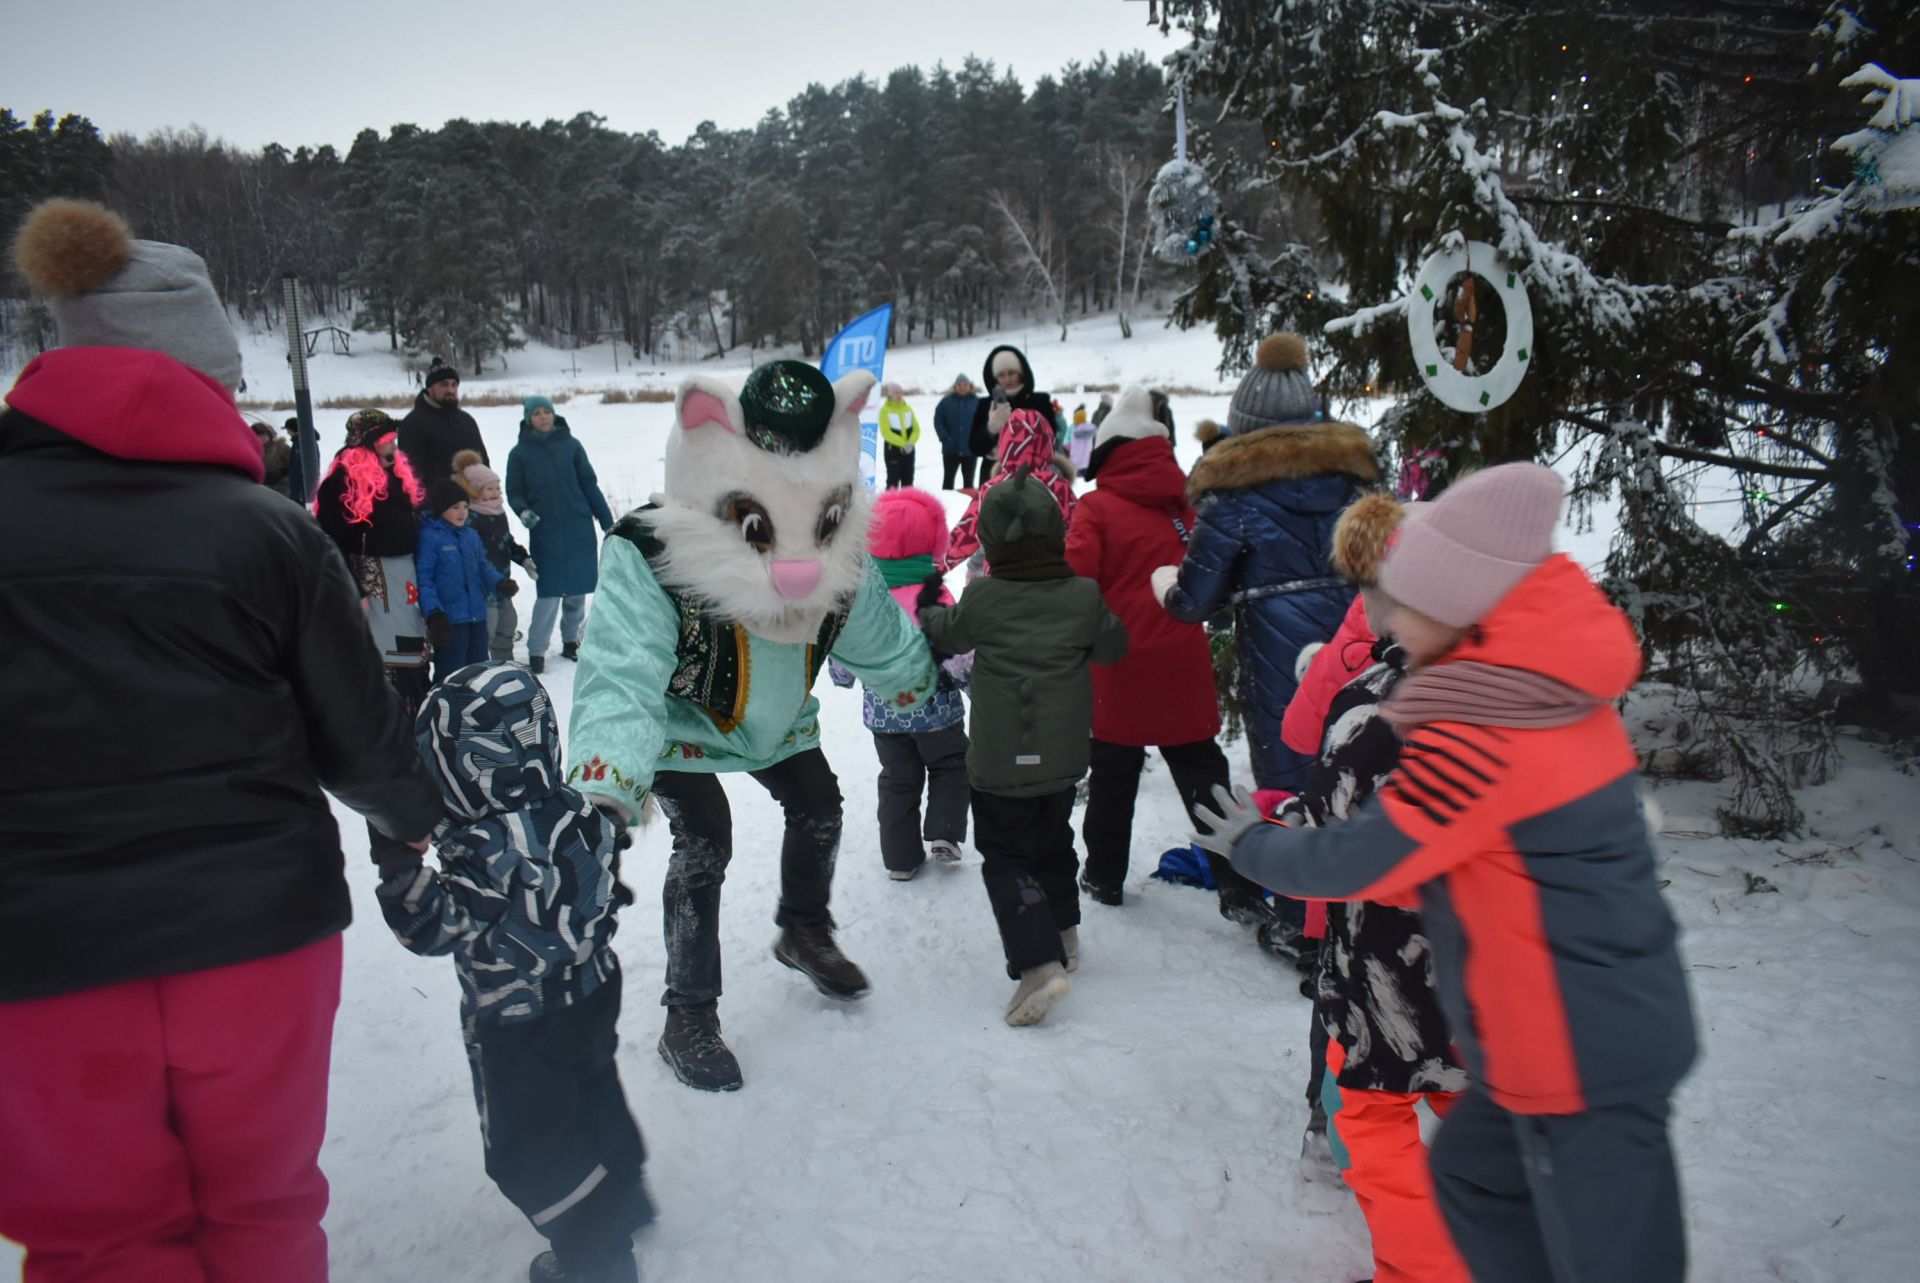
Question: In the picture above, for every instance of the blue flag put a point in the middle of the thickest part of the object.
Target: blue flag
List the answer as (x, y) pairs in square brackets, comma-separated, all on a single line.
[(863, 346)]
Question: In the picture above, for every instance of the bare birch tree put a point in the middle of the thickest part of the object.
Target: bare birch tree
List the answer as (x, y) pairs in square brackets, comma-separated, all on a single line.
[(1039, 250), (1125, 178)]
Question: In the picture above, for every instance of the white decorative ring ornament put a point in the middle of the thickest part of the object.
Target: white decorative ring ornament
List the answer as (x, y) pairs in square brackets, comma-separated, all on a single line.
[(1472, 393)]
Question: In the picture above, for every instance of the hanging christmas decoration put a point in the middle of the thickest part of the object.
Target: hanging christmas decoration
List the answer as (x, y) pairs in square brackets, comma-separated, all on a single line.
[(1449, 380), (1181, 203)]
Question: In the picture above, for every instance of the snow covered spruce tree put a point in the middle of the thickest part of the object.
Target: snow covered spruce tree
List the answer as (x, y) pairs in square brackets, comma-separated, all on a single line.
[(1726, 338)]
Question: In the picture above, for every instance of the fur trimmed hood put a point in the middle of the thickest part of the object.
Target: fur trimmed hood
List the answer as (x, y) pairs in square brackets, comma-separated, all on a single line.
[(1284, 453)]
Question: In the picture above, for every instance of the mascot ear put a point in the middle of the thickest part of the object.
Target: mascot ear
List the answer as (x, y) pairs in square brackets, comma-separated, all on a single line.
[(702, 401), (851, 392)]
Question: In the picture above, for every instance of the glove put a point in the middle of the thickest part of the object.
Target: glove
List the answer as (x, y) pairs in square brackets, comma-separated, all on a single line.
[(929, 597), (507, 588), (439, 628), (533, 571), (1164, 579), (1237, 814), (529, 519)]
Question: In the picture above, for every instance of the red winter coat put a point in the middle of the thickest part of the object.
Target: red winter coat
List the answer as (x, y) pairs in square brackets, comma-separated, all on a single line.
[(1163, 691), (1337, 663)]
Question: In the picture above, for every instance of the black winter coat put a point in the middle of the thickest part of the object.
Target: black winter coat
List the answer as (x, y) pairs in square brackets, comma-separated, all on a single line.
[(1376, 988), (982, 442), (432, 434), (187, 666)]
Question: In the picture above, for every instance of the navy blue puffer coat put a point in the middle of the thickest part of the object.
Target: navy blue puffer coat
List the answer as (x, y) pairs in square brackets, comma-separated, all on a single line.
[(1265, 506), (548, 475)]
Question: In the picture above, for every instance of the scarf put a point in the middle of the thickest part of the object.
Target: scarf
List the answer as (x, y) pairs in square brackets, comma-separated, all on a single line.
[(902, 571), (1485, 695), (492, 507)]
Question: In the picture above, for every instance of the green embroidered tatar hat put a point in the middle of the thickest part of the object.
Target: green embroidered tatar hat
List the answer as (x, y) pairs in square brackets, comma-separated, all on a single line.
[(788, 405)]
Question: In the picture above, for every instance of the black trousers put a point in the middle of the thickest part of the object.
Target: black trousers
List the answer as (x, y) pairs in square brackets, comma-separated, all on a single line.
[(1027, 862), (952, 463), (899, 466), (702, 826), (937, 762), (1568, 1198), (1113, 784), (560, 1140)]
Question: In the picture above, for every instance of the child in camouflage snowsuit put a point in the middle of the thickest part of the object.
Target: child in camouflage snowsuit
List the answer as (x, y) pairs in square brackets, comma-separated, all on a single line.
[(525, 900)]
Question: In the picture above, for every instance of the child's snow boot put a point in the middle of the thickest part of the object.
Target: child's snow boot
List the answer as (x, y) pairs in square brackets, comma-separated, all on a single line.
[(811, 951), (693, 1047), (945, 852), (1100, 893), (906, 875), (1070, 945), (536, 664), (548, 1268), (1247, 908), (1040, 987)]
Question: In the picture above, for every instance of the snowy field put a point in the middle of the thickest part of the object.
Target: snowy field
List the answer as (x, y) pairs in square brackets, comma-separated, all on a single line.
[(1149, 1129)]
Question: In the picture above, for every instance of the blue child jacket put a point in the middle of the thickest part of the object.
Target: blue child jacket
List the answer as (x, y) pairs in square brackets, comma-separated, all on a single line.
[(454, 574)]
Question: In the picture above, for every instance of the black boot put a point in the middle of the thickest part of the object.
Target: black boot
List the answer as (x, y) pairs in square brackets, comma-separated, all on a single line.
[(693, 1046), (536, 663), (1247, 908), (812, 952), (570, 650), (1100, 893), (547, 1268)]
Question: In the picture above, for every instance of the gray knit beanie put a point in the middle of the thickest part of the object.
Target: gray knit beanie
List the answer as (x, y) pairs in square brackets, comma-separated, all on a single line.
[(1276, 390), (106, 289), (1455, 558)]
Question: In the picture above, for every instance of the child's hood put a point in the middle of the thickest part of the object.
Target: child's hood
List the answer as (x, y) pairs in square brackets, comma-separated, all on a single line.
[(490, 740), (1020, 508), (1557, 622)]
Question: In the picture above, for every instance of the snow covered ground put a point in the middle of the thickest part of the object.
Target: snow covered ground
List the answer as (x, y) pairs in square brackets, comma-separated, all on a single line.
[(1148, 1130)]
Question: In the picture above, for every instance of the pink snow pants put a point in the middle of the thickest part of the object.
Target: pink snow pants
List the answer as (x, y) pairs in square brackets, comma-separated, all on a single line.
[(168, 1130)]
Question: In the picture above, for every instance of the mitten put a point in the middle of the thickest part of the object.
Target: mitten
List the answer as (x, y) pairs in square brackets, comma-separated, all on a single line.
[(997, 417), (439, 628), (533, 571), (1229, 824), (1164, 579), (507, 588), (929, 596), (529, 519)]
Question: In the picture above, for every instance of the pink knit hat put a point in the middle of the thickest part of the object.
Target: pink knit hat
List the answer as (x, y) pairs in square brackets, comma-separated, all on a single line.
[(1456, 557), (480, 476)]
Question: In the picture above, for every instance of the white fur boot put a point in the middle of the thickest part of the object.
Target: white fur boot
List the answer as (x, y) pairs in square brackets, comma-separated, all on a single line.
[(1070, 945), (1040, 987)]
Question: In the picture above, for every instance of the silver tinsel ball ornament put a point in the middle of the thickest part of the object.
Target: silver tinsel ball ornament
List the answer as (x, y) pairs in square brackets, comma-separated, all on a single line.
[(1183, 206)]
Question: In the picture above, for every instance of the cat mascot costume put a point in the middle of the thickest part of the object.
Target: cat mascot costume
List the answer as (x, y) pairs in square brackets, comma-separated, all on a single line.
[(719, 603)]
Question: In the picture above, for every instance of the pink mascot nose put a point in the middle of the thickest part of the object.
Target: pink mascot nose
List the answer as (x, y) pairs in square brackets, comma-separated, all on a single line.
[(796, 578)]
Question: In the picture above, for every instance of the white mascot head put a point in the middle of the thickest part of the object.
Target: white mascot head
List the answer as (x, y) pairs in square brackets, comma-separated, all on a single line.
[(764, 517)]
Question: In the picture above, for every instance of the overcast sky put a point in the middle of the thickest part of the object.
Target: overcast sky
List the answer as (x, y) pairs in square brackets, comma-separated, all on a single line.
[(318, 71)]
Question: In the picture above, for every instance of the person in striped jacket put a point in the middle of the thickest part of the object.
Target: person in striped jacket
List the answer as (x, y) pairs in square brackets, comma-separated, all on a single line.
[(1514, 817)]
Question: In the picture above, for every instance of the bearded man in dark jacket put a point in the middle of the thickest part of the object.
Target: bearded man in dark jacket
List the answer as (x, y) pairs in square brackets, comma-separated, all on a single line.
[(437, 428), (187, 669)]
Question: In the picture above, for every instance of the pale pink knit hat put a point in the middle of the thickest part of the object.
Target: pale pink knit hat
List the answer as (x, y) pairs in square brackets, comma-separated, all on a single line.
[(1456, 557)]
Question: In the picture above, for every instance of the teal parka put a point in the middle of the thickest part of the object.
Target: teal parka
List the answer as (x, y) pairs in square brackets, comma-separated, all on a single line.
[(664, 686)]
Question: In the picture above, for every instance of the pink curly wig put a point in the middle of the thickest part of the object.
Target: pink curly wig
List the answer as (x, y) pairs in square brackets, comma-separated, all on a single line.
[(367, 479)]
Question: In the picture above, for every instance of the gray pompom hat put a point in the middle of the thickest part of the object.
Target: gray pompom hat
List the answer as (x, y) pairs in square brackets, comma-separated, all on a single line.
[(106, 289), (1276, 391)]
